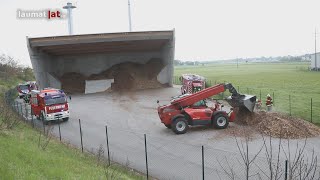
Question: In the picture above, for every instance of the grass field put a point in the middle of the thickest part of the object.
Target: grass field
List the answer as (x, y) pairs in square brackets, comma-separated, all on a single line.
[(22, 159), (21, 156), (280, 79)]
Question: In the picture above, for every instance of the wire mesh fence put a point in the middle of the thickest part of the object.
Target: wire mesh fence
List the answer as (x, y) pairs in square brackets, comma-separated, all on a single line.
[(164, 158), (307, 107)]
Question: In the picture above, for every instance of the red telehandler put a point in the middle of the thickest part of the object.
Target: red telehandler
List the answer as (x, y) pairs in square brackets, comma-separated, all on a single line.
[(192, 110)]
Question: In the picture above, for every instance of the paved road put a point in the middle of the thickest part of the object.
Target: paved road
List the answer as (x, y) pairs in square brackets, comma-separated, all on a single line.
[(131, 115)]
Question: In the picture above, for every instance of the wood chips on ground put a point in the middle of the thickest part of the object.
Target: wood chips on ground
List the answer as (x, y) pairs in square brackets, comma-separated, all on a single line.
[(278, 125)]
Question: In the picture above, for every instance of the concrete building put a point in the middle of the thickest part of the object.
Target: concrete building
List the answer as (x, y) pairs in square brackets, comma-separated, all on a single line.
[(315, 63), (88, 54)]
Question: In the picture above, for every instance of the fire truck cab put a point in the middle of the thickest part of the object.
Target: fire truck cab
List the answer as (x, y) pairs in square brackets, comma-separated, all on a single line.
[(191, 83), (49, 105)]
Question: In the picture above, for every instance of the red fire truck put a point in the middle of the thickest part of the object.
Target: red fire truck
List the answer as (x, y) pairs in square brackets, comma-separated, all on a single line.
[(25, 88), (49, 105), (192, 83)]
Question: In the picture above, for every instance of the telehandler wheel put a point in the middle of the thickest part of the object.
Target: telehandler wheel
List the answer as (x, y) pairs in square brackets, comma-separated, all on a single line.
[(168, 126), (220, 121), (180, 125)]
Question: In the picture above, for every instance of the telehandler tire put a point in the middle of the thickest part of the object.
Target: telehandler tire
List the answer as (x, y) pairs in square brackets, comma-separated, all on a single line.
[(220, 121), (180, 125), (168, 126)]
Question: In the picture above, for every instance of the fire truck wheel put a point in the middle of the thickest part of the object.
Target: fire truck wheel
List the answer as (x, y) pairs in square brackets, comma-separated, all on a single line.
[(65, 119), (220, 121), (168, 126), (180, 125)]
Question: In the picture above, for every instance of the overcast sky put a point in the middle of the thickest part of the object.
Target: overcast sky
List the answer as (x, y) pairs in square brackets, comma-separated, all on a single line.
[(205, 29)]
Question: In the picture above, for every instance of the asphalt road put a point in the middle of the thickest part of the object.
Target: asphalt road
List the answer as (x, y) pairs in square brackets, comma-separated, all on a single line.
[(131, 115)]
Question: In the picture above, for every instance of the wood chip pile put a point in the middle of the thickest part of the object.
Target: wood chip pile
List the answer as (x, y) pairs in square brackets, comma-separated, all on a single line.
[(127, 76), (73, 82), (278, 125)]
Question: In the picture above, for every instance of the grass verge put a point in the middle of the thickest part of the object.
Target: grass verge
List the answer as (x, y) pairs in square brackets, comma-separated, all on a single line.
[(21, 158)]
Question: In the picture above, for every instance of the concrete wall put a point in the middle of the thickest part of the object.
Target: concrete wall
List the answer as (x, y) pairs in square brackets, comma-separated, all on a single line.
[(53, 81), (94, 86), (166, 74), (48, 68), (41, 65)]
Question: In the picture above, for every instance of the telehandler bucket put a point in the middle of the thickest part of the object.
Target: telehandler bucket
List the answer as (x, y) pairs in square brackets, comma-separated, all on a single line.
[(243, 101)]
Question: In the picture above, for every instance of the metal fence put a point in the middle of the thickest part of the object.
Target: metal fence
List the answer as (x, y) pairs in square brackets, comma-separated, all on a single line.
[(159, 157), (289, 103)]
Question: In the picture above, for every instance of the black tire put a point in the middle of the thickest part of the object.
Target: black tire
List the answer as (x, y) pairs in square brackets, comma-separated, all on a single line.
[(220, 121), (168, 126), (65, 119), (180, 125)]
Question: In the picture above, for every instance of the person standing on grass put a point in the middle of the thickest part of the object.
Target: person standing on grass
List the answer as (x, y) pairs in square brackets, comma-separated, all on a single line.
[(269, 103)]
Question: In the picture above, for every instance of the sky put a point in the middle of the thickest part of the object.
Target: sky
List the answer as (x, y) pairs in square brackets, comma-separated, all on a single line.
[(204, 29)]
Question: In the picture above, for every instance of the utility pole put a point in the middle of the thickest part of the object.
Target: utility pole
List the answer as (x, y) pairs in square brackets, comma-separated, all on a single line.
[(315, 49), (69, 7), (129, 13), (237, 63)]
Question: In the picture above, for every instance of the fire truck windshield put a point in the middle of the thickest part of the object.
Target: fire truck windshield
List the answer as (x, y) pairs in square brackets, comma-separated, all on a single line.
[(23, 87), (55, 100)]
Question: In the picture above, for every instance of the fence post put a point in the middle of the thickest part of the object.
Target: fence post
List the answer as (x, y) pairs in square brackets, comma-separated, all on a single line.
[(25, 106), (290, 104), (286, 170), (260, 94), (238, 89), (273, 98), (81, 135), (146, 152), (16, 106), (59, 129), (21, 110), (202, 162), (311, 109), (32, 118), (107, 137), (44, 128)]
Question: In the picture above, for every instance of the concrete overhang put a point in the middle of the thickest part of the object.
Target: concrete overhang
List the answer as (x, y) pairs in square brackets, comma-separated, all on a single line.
[(102, 43)]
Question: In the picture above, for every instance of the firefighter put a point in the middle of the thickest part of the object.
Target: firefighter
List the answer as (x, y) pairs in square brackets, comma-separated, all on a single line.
[(258, 104), (269, 103)]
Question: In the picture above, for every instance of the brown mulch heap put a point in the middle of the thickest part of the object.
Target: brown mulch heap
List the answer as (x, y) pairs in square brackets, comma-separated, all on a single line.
[(132, 76), (278, 125), (73, 82), (127, 76)]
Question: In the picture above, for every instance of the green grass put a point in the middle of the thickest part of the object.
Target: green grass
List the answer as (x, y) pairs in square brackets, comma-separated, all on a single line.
[(280, 79), (21, 158)]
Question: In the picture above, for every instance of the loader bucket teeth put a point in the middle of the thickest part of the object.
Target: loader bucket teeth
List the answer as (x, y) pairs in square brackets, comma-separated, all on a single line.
[(243, 101)]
